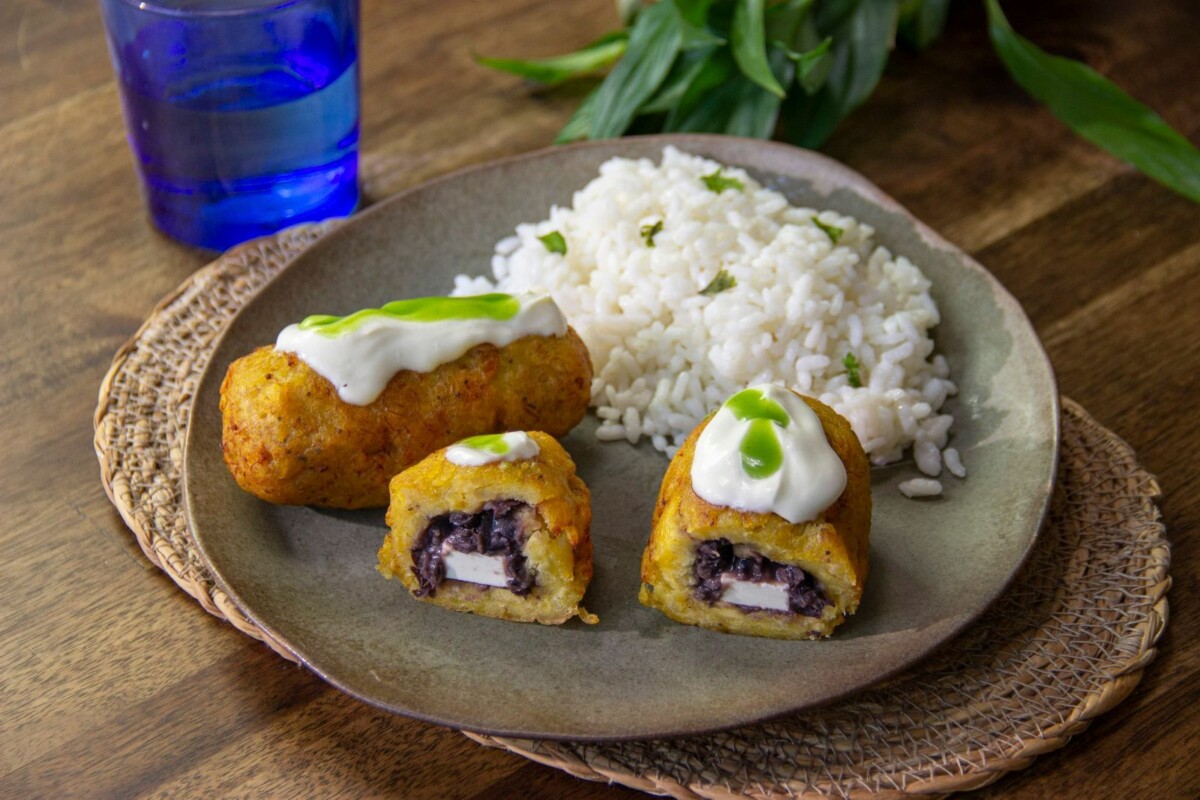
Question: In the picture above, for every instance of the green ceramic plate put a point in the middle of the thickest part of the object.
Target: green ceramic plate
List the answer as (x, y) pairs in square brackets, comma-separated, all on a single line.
[(308, 576)]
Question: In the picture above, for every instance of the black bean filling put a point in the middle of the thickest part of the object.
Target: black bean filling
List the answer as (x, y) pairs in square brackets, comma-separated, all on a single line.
[(715, 558), (498, 530)]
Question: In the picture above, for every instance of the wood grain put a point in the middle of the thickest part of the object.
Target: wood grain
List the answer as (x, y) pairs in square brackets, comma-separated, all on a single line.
[(116, 684)]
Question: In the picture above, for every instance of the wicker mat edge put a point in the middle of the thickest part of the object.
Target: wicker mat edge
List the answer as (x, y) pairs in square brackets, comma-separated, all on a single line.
[(140, 421)]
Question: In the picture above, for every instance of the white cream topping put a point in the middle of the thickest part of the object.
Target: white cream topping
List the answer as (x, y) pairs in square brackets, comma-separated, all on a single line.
[(488, 449), (764, 594), (361, 361), (474, 567), (810, 476)]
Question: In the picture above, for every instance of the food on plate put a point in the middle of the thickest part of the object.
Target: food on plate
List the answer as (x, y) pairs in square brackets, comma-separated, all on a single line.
[(920, 487), (495, 525), (339, 405), (689, 279), (762, 520)]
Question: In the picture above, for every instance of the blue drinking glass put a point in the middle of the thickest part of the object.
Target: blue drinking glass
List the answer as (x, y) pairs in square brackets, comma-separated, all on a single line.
[(242, 115)]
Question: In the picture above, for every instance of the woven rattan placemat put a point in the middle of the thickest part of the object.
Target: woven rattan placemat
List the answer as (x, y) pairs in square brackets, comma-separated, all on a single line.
[(1068, 641)]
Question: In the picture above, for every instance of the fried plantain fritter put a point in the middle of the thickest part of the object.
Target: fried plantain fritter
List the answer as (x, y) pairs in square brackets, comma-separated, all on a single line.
[(531, 515), (693, 542), (288, 438)]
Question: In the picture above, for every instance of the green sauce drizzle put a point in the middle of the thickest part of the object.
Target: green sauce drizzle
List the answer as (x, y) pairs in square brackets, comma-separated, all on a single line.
[(762, 453), (489, 443), (419, 309)]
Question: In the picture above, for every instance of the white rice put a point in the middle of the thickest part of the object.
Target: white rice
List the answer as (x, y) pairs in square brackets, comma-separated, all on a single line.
[(954, 462), (665, 355), (921, 487)]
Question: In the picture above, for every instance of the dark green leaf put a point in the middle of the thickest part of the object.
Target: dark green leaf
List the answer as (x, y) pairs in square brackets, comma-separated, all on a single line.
[(698, 38), (862, 34), (719, 284), (650, 231), (682, 74), (755, 116), (750, 45), (712, 111), (706, 104), (719, 183), (579, 126), (812, 66), (783, 20), (921, 22), (812, 75), (857, 71), (654, 42), (832, 231), (554, 242), (1097, 110), (852, 367), (758, 110), (596, 56), (721, 99), (627, 10), (834, 16), (694, 12)]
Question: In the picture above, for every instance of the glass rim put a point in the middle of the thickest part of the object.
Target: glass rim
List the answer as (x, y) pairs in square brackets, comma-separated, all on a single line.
[(239, 8)]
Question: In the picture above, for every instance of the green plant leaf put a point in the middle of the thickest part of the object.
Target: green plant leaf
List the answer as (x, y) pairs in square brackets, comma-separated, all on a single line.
[(627, 10), (706, 103), (592, 58), (757, 113), (1097, 110), (921, 22), (750, 45), (694, 12), (812, 66), (808, 38), (862, 34), (723, 100), (789, 26), (783, 20), (857, 69), (698, 38), (579, 126), (682, 74), (654, 41), (712, 111)]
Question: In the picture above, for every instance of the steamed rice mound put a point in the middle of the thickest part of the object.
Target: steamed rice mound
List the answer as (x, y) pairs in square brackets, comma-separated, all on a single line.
[(665, 354)]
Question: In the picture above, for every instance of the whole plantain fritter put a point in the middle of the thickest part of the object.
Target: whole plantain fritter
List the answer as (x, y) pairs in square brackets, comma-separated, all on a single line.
[(288, 438)]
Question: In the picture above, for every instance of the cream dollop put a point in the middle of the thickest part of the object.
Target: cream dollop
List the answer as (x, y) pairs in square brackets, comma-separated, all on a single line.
[(766, 451), (490, 448), (361, 361)]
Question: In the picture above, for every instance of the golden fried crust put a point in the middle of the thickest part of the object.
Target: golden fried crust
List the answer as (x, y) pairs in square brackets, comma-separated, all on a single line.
[(832, 548), (288, 438), (559, 549)]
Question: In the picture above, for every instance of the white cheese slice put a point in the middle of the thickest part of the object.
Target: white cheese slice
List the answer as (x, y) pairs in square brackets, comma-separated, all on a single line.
[(771, 595), (475, 568)]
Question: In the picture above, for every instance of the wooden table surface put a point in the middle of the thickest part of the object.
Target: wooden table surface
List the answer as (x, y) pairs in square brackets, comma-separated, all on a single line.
[(115, 683)]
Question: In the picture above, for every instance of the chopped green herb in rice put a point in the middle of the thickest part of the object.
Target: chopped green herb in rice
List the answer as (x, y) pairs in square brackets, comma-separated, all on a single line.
[(554, 242)]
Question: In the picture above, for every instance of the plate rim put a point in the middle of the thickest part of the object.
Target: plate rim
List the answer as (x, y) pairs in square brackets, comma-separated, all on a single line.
[(850, 179)]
